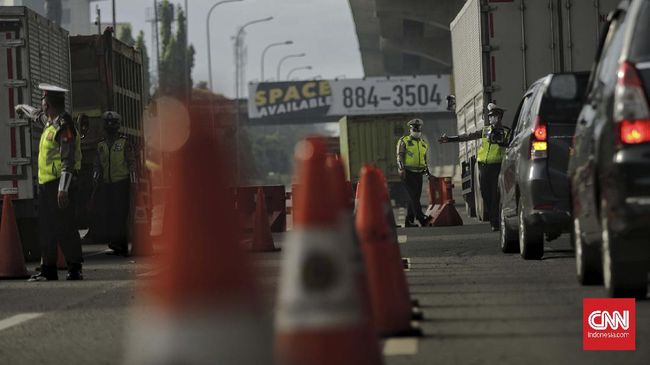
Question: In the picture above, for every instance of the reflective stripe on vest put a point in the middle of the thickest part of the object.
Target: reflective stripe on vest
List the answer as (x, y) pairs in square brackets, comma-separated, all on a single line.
[(416, 152), (488, 152), (49, 155), (113, 162)]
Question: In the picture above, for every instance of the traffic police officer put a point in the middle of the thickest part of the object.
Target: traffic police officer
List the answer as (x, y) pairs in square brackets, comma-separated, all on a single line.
[(115, 170), (59, 160), (494, 139), (411, 165)]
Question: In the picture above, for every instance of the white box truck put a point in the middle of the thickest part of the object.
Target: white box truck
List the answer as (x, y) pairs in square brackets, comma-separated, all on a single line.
[(500, 47), (33, 50)]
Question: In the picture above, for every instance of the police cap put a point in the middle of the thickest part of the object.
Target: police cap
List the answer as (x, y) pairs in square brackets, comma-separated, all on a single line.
[(415, 122)]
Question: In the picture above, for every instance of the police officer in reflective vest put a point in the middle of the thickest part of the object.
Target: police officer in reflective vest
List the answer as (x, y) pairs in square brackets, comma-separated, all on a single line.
[(115, 170), (494, 139), (59, 161), (411, 165)]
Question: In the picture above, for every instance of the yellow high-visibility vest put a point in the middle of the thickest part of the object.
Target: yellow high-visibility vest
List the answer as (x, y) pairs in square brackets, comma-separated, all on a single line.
[(416, 153), (49, 154), (489, 152), (114, 166)]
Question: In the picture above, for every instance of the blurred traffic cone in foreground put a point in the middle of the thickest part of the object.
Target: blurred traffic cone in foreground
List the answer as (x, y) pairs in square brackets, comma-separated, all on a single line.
[(202, 306), (343, 195), (141, 244), (12, 261), (262, 237), (61, 264), (319, 317), (386, 280)]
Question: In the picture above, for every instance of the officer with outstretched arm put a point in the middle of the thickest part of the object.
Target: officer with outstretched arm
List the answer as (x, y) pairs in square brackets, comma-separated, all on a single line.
[(59, 161), (494, 138)]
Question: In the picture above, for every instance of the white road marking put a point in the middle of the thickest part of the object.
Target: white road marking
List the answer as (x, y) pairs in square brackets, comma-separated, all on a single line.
[(402, 238), (98, 253), (401, 346), (17, 319)]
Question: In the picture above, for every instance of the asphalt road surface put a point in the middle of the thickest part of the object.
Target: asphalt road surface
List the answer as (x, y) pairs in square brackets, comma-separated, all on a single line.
[(480, 306)]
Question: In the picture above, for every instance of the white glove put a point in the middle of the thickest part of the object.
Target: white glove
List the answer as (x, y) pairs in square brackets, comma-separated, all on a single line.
[(25, 111)]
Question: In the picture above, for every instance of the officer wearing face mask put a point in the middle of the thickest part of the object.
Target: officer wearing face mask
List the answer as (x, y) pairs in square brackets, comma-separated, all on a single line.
[(494, 139), (411, 165), (115, 171)]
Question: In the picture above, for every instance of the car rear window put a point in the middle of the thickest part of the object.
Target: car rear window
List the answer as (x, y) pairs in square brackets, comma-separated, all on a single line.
[(565, 111), (640, 50)]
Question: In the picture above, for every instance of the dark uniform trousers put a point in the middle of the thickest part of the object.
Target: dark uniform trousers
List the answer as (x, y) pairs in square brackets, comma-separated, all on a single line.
[(413, 183), (115, 200), (57, 226), (489, 175)]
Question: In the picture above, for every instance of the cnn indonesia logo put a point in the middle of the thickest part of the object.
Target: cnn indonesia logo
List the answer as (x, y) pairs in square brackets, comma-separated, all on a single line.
[(609, 324)]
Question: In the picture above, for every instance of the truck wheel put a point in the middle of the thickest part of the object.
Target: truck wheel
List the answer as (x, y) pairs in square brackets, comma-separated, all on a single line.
[(588, 258), (508, 236), (531, 240), (622, 280)]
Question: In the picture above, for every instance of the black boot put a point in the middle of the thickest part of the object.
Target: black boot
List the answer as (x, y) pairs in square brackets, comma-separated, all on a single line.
[(74, 272), (47, 273)]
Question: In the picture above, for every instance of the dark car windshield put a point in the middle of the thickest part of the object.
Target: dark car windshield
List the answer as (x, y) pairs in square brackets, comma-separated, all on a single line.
[(561, 110), (640, 50)]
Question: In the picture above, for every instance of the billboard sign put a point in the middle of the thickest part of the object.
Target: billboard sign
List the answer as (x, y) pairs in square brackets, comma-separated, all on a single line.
[(309, 101)]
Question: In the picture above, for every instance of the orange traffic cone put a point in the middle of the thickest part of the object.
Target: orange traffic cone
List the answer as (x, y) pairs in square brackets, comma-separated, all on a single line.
[(12, 261), (343, 194), (387, 283), (262, 237), (201, 307), (141, 244), (61, 264), (319, 318)]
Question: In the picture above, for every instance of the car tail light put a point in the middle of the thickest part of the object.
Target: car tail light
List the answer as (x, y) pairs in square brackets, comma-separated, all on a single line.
[(631, 106), (539, 140)]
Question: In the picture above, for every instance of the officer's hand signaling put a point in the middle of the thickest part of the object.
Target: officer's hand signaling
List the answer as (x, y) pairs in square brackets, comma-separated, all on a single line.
[(443, 138), (63, 199)]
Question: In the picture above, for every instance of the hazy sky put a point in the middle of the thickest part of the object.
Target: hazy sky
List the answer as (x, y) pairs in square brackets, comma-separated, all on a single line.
[(324, 29)]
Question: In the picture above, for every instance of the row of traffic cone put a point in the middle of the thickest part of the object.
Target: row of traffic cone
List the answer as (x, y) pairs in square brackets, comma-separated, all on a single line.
[(12, 260), (341, 282)]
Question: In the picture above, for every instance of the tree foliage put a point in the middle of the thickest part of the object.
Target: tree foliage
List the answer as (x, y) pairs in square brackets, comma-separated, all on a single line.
[(174, 75), (126, 35)]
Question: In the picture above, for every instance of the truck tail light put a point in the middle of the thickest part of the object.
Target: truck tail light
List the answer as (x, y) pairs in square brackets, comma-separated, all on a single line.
[(539, 140), (631, 107)]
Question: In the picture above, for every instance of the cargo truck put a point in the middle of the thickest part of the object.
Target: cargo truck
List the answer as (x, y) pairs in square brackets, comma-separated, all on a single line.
[(501, 47), (107, 74)]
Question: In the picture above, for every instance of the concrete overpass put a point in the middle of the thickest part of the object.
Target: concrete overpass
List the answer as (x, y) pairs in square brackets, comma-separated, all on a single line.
[(404, 37)]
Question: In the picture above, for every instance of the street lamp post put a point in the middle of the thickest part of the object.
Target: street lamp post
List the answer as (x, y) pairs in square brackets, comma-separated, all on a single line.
[(264, 53), (207, 27), (297, 69), (238, 52), (286, 58)]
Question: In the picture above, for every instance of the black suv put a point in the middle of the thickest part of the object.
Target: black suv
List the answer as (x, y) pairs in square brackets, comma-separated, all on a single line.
[(533, 183), (610, 163)]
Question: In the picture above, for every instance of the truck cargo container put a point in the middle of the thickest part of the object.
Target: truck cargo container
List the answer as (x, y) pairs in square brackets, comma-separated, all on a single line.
[(33, 50), (501, 47), (107, 74)]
